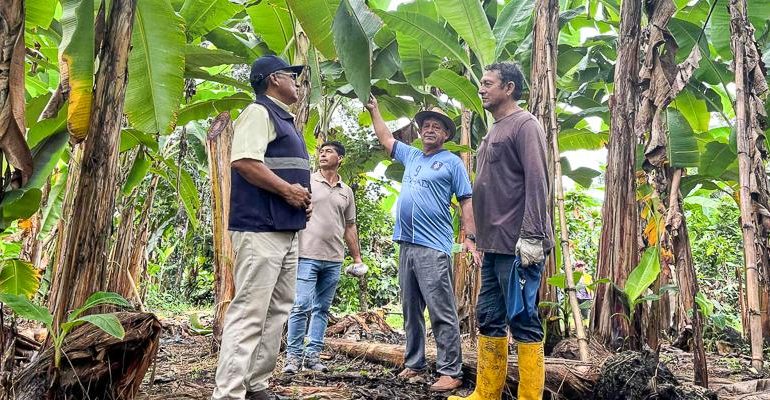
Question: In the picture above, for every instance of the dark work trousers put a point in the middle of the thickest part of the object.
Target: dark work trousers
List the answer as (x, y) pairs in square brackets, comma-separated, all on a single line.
[(501, 303), (425, 277)]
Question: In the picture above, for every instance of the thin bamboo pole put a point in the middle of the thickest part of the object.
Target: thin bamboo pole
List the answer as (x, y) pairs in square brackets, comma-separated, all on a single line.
[(564, 231), (746, 151)]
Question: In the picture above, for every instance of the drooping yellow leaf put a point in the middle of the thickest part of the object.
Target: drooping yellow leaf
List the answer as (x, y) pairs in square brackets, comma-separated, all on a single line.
[(652, 232), (76, 64)]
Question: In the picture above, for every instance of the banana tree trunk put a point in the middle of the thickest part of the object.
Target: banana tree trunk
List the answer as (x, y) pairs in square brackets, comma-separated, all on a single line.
[(138, 263), (541, 102), (120, 256), (662, 79), (618, 252), (83, 266), (467, 275), (127, 256), (218, 144), (676, 227), (301, 108), (749, 84)]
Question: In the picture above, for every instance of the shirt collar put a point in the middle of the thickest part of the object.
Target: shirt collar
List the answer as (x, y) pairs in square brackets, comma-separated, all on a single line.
[(279, 103), (320, 178)]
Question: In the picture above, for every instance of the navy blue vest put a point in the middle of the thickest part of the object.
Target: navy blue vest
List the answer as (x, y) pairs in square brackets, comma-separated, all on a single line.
[(257, 210)]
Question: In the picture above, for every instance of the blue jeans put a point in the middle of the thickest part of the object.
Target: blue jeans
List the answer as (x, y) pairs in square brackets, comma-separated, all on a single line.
[(501, 303), (316, 284)]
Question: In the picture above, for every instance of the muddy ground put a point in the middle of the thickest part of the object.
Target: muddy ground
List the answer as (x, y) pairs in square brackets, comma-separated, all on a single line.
[(185, 369)]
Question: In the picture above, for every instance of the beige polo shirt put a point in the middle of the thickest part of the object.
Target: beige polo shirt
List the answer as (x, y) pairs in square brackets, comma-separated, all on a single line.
[(253, 131), (333, 208)]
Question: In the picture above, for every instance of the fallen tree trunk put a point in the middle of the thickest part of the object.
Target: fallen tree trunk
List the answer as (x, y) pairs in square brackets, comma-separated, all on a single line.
[(624, 376), (95, 365), (751, 390), (569, 378)]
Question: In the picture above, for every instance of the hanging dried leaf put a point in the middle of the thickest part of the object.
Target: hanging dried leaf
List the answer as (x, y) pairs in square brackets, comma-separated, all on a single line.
[(12, 125)]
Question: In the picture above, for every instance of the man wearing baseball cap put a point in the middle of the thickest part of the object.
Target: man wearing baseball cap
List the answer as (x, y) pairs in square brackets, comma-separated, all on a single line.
[(424, 232), (269, 204)]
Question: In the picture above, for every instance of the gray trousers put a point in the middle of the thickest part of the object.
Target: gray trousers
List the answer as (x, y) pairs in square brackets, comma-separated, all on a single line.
[(425, 277), (264, 275)]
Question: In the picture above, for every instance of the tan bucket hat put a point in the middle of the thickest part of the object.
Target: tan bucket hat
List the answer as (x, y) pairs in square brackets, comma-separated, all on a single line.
[(439, 114)]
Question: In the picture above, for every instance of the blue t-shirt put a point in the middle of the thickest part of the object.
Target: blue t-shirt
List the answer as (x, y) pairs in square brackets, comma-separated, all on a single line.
[(422, 215)]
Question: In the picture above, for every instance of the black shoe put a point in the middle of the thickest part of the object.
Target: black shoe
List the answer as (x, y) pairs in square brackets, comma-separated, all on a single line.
[(265, 394)]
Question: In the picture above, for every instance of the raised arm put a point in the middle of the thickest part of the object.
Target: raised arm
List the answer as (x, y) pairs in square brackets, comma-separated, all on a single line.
[(384, 135)]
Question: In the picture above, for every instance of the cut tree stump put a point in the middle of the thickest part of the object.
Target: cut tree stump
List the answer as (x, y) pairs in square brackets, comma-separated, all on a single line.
[(569, 378), (95, 365), (369, 322)]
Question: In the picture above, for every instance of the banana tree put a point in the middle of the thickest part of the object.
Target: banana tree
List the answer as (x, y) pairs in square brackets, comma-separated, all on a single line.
[(750, 84)]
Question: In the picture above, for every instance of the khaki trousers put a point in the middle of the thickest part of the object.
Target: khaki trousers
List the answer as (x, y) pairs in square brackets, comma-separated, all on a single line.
[(264, 276)]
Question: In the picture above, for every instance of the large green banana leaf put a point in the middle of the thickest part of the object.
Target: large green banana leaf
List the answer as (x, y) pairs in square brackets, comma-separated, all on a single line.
[(458, 88), (156, 67), (682, 144), (316, 18), (513, 24), (583, 176), (693, 109), (643, 275), (272, 22), (25, 201), (236, 42), (207, 108), (716, 159), (582, 139), (354, 47), (19, 278), (39, 13), (430, 34), (202, 16), (198, 56), (416, 62), (468, 19)]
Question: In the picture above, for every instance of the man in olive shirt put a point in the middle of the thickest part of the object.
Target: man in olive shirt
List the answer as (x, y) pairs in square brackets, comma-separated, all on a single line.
[(510, 206), (321, 252)]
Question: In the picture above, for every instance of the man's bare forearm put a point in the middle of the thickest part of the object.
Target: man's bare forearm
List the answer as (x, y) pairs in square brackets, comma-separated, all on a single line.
[(466, 217), (259, 175), (351, 238)]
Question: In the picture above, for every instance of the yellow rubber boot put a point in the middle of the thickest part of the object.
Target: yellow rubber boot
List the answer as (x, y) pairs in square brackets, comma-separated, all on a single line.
[(491, 370), (531, 371)]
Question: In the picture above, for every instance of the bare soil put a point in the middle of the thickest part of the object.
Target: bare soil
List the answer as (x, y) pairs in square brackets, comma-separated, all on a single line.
[(185, 368)]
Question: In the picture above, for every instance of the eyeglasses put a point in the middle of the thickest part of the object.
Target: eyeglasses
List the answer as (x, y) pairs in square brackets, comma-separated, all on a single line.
[(292, 75)]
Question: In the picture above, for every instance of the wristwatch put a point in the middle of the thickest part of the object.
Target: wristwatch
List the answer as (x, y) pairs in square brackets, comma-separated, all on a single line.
[(471, 237)]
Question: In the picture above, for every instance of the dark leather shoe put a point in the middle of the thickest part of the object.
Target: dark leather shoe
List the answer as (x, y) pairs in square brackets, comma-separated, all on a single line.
[(265, 394)]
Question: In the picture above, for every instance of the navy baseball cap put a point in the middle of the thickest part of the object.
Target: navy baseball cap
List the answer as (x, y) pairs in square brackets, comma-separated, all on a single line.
[(266, 65)]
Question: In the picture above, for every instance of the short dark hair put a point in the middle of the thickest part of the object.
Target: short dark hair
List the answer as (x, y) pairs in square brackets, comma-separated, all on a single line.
[(260, 86), (338, 147), (509, 72)]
